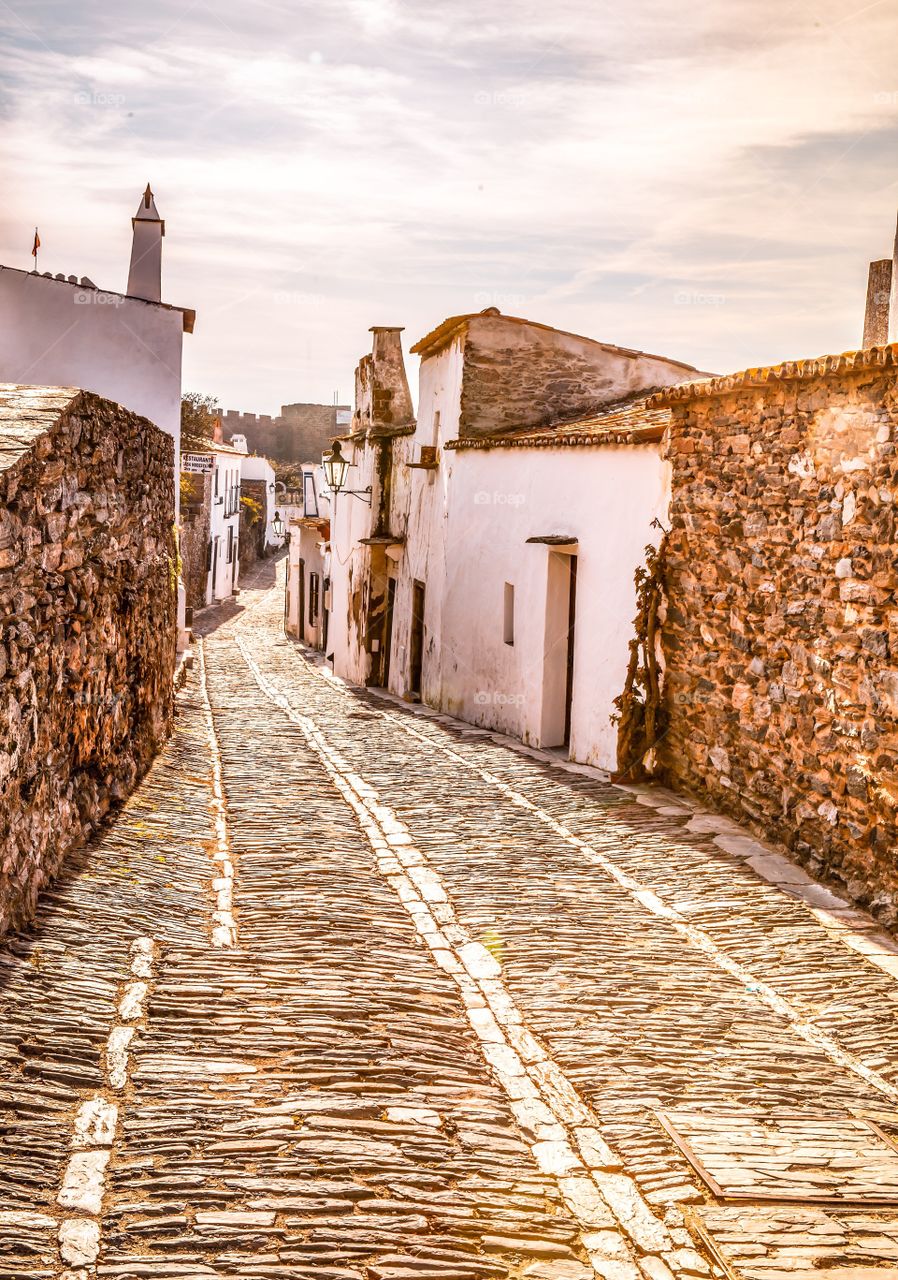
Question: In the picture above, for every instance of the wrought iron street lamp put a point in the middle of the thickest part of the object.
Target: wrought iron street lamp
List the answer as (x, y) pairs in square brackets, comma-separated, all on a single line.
[(336, 469)]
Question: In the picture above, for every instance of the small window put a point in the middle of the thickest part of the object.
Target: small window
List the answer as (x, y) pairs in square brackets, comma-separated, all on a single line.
[(436, 427), (313, 598), (230, 543), (508, 619)]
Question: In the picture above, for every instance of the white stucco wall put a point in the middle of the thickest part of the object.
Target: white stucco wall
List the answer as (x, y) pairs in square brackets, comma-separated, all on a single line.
[(56, 333), (221, 519), (606, 498), (351, 519), (291, 606), (468, 538), (308, 542), (420, 505), (253, 467), (466, 527)]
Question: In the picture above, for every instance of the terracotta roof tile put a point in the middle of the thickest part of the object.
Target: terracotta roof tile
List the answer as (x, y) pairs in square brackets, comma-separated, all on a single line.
[(624, 422)]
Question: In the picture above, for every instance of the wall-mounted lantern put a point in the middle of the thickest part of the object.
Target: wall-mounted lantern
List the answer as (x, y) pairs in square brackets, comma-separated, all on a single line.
[(336, 469)]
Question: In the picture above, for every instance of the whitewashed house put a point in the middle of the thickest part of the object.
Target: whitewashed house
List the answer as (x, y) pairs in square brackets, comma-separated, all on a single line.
[(254, 467), (211, 525), (309, 561), (493, 574), (224, 523), (59, 330), (64, 331)]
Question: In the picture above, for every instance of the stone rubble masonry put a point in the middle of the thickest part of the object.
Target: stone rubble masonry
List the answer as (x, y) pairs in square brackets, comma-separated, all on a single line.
[(383, 400), (196, 517), (87, 623), (520, 374), (300, 433), (780, 640)]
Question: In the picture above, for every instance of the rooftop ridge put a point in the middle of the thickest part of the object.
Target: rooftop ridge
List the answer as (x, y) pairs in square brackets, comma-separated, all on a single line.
[(441, 335), (878, 357), (188, 313)]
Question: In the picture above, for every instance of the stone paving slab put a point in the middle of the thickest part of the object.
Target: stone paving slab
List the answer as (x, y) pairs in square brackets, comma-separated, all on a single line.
[(61, 983), (694, 1033), (809, 1158), (309, 1102), (778, 1244), (349, 991)]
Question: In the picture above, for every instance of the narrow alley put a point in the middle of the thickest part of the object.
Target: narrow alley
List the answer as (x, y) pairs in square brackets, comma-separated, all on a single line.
[(353, 991)]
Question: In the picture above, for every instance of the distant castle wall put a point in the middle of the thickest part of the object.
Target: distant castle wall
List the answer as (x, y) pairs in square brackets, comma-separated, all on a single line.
[(300, 433)]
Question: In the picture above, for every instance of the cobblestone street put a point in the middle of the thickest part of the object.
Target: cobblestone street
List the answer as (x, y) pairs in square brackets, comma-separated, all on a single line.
[(353, 991)]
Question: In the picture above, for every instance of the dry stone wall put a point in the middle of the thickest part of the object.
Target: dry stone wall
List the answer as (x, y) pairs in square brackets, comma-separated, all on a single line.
[(301, 433), (781, 633), (87, 623)]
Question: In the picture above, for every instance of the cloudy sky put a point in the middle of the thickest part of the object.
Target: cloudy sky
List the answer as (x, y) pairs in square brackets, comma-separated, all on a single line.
[(705, 181)]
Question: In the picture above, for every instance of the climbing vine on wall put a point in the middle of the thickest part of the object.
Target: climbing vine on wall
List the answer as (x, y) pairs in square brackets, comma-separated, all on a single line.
[(640, 712)]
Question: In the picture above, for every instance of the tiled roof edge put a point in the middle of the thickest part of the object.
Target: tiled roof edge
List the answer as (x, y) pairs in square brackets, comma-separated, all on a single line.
[(441, 336), (545, 440), (870, 358)]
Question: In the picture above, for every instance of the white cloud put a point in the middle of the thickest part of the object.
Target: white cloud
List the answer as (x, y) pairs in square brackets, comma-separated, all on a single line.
[(325, 168)]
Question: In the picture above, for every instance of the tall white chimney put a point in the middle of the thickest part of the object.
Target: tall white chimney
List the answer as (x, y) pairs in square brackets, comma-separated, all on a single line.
[(145, 274)]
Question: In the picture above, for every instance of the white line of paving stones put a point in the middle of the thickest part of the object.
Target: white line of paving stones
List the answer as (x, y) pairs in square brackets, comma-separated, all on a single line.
[(844, 921), (651, 902), (566, 1140), (874, 947), (84, 1178), (224, 926), (766, 863)]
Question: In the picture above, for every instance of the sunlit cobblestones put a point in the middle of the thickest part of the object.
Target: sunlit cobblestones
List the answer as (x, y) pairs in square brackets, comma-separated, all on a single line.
[(433, 1033)]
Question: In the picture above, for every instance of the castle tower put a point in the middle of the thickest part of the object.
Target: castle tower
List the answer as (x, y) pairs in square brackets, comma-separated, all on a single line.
[(145, 274)]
